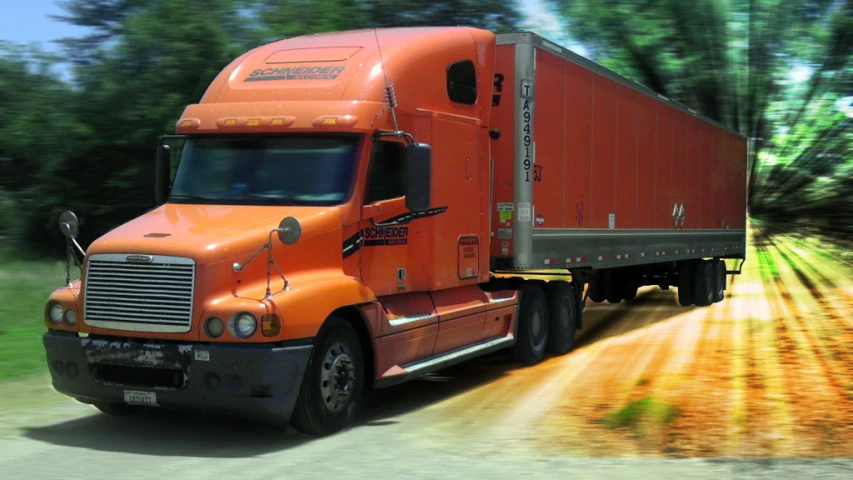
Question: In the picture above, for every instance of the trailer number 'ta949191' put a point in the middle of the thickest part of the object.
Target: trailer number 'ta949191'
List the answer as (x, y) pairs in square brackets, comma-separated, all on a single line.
[(527, 126)]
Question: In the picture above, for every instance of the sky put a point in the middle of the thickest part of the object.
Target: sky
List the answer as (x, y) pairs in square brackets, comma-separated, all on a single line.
[(25, 21), (28, 21)]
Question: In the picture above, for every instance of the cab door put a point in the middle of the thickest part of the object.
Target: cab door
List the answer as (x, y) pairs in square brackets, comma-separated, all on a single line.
[(389, 236)]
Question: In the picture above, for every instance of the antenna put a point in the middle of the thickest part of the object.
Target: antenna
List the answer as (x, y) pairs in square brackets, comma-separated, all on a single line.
[(390, 95)]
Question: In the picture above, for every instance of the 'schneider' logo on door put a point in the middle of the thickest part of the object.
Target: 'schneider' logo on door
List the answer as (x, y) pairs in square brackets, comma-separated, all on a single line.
[(140, 258)]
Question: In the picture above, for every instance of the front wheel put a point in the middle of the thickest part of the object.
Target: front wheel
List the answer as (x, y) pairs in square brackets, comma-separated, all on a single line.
[(334, 379)]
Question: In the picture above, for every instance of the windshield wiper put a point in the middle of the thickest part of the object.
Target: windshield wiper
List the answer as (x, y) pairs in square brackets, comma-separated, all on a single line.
[(191, 197), (279, 199)]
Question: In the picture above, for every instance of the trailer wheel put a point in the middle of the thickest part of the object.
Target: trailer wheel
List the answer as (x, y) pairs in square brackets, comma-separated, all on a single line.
[(685, 283), (719, 280), (118, 409), (703, 284), (629, 291), (613, 287), (532, 331), (596, 289), (563, 317), (334, 378)]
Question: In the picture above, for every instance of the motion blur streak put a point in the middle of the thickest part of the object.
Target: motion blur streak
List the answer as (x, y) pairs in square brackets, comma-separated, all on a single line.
[(768, 372)]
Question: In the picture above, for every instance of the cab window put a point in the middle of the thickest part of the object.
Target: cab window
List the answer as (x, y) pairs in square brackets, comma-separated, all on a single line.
[(386, 172), (462, 82)]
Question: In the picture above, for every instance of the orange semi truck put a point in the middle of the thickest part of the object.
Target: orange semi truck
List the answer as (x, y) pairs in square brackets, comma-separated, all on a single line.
[(357, 209)]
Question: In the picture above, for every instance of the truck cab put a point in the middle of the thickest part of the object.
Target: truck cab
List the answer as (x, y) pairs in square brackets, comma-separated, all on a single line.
[(325, 230)]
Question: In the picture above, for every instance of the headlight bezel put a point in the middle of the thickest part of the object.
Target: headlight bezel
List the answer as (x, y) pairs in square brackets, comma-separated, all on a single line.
[(207, 329), (53, 307), (234, 324)]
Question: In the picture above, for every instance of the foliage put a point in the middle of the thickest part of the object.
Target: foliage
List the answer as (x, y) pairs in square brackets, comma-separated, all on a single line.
[(737, 62), (89, 146)]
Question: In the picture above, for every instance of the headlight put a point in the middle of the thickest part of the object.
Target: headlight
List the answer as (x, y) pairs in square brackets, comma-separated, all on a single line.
[(214, 327), (244, 325), (55, 313), (71, 316)]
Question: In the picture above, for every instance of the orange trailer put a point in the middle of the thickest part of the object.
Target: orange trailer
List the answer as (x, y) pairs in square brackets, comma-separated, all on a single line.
[(357, 209)]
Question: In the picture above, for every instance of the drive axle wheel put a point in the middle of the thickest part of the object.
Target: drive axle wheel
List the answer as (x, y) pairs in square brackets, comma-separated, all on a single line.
[(334, 379), (563, 317), (532, 329)]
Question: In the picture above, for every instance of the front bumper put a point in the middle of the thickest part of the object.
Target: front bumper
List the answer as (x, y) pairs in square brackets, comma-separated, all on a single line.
[(259, 383)]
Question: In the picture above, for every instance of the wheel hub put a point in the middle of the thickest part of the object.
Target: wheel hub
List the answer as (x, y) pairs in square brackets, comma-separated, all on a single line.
[(337, 378)]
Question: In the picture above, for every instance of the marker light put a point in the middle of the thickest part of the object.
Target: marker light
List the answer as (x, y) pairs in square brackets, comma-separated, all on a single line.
[(270, 325), (55, 313)]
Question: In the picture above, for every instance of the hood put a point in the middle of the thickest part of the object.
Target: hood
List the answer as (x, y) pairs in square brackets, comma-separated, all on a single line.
[(210, 233)]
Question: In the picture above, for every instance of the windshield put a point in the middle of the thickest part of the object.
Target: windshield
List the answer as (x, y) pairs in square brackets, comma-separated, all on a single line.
[(265, 171)]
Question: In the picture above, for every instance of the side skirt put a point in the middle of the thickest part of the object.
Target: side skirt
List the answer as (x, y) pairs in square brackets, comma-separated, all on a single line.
[(444, 360)]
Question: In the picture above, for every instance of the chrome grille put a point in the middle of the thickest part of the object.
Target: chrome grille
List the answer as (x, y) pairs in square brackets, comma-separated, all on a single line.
[(155, 296)]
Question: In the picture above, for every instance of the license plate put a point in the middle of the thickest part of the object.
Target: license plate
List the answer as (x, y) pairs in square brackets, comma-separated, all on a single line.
[(136, 397)]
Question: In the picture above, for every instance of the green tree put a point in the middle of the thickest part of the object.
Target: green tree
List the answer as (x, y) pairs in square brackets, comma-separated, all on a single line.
[(298, 17), (89, 146), (733, 61)]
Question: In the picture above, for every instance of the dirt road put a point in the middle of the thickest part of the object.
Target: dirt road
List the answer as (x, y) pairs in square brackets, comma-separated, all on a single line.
[(765, 375)]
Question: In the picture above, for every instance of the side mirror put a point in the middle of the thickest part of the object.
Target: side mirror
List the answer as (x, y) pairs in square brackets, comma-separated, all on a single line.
[(68, 224), (162, 172), (418, 176), (289, 231)]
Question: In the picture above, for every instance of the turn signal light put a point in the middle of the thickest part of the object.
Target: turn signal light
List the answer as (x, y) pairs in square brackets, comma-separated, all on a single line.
[(270, 325)]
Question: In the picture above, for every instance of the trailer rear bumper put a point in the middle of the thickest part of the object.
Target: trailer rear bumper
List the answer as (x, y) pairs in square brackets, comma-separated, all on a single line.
[(259, 383)]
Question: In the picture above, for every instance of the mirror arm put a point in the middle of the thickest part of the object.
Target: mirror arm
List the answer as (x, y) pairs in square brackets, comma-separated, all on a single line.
[(399, 134), (79, 249)]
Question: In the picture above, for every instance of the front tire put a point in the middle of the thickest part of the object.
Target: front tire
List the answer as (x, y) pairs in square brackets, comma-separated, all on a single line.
[(532, 331), (563, 317), (334, 379)]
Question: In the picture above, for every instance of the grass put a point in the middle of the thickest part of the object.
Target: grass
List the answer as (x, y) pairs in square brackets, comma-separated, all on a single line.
[(646, 408), (24, 289)]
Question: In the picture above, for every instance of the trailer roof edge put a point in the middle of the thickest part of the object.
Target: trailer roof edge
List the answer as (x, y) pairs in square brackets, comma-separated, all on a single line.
[(514, 38)]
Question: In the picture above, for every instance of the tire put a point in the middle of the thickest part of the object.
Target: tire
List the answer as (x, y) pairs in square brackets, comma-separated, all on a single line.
[(719, 280), (596, 290), (703, 284), (612, 287), (629, 291), (562, 317), (532, 331), (323, 407), (685, 283), (118, 409)]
